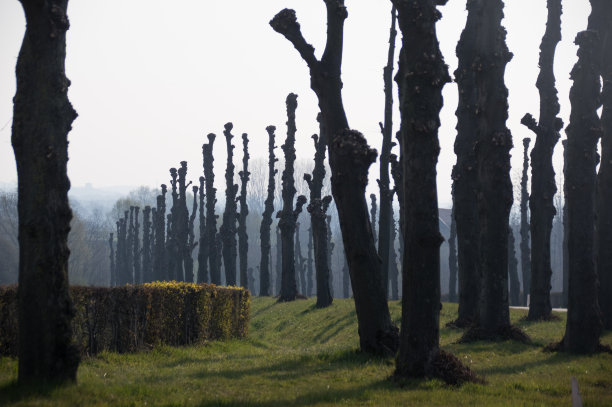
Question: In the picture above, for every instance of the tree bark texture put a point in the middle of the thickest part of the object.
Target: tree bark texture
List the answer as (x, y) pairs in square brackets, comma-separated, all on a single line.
[(310, 265), (243, 238), (543, 185), (465, 171), (228, 227), (266, 221), (393, 266), (159, 269), (373, 218), (146, 245), (203, 276), (421, 76), (583, 314), (211, 218), (386, 194), (299, 261), (452, 255), (524, 245), (604, 177), (42, 118), (191, 243), (289, 214), (172, 241), (330, 252), (279, 260), (350, 158), (318, 209), (565, 230), (182, 228)]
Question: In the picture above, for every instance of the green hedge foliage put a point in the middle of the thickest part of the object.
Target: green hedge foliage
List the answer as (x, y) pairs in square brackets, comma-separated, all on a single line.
[(132, 318)]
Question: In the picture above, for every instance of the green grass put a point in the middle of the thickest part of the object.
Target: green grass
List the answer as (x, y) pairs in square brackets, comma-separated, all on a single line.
[(298, 355)]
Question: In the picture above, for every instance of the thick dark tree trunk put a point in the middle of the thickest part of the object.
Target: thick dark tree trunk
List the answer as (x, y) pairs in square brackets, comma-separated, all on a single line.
[(465, 172), (386, 194), (452, 255), (583, 314), (159, 268), (524, 245), (421, 76), (42, 118), (543, 185), (228, 227), (515, 285), (146, 244), (266, 221), (604, 177), (346, 279), (137, 251), (203, 249), (113, 270), (350, 158), (243, 237), (211, 217), (318, 209), (288, 215)]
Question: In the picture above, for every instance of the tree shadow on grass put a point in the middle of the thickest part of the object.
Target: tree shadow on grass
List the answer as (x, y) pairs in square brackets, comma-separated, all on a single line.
[(554, 359), (14, 392)]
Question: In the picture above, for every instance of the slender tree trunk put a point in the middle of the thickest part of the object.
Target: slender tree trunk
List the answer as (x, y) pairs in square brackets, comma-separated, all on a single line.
[(159, 271), (310, 262), (211, 217), (330, 252), (373, 217), (604, 177), (350, 158), (243, 237), (421, 76), (129, 249), (515, 286), (42, 118), (203, 249), (288, 215), (524, 246), (279, 259), (393, 266), (146, 244), (299, 260), (172, 246), (386, 194), (113, 270), (452, 255), (583, 314), (182, 232), (137, 250), (543, 185), (228, 228), (266, 221), (191, 243)]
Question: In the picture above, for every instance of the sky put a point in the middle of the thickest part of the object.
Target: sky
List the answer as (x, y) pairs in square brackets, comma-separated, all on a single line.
[(150, 81)]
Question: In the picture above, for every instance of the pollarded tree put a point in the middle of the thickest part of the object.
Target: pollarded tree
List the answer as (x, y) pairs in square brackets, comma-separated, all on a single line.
[(228, 227), (525, 249), (191, 243), (129, 249), (182, 227), (160, 263), (349, 158), (146, 245), (386, 194), (266, 221), (543, 185), (203, 242), (174, 259), (211, 217), (288, 215), (42, 118), (243, 238), (583, 326), (317, 208), (421, 76)]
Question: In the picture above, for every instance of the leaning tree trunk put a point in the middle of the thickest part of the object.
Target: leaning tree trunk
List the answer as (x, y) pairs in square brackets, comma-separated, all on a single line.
[(349, 157), (318, 209), (228, 227), (146, 245), (266, 221), (288, 215), (525, 250), (421, 76), (493, 168), (543, 185), (452, 255), (465, 172), (203, 249), (604, 177), (515, 285), (243, 238), (42, 118), (137, 253), (211, 217), (159, 268), (583, 314), (386, 194)]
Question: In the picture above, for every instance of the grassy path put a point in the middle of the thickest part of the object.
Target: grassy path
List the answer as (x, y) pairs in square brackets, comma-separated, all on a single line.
[(297, 355)]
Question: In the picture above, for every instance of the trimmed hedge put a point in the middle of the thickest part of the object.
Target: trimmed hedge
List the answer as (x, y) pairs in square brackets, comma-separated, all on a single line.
[(138, 317)]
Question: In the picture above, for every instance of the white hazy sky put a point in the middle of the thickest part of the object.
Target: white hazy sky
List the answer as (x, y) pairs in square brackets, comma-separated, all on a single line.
[(151, 78)]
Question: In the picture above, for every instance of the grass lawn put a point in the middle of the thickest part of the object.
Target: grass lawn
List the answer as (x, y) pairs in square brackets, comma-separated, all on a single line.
[(298, 355)]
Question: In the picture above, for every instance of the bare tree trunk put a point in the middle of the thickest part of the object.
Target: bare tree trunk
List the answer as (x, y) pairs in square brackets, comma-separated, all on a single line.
[(203, 276), (129, 249), (191, 243), (211, 217), (386, 194), (524, 245), (452, 255), (393, 266), (228, 228), (584, 325), (515, 286), (182, 232), (42, 118), (373, 217), (279, 259), (266, 221), (159, 269), (288, 215), (310, 262), (543, 186), (565, 230), (243, 237), (299, 260), (146, 245), (137, 250), (350, 158), (113, 270)]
